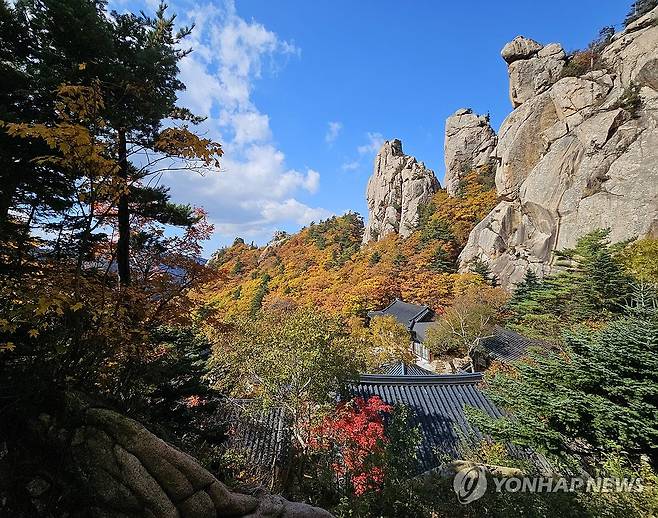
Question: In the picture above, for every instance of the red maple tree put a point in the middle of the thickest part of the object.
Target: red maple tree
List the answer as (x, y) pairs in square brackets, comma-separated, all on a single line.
[(355, 432)]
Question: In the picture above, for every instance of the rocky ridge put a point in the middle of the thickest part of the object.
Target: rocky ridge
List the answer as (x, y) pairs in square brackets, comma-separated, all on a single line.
[(577, 153), (398, 186)]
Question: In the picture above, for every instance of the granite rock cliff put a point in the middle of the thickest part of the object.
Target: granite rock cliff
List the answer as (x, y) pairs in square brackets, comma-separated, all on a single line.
[(397, 188), (576, 154), (469, 144)]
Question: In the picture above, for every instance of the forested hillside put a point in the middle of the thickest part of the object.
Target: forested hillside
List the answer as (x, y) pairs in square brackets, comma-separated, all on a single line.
[(325, 266)]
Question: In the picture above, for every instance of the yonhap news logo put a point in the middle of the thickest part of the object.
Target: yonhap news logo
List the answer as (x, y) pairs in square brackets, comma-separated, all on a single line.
[(470, 484)]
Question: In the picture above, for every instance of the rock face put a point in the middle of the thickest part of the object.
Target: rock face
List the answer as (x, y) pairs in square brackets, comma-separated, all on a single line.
[(279, 238), (123, 470), (398, 186), (532, 68), (575, 155), (469, 144)]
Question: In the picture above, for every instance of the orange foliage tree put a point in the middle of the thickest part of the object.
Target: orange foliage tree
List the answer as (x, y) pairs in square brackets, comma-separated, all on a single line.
[(325, 265)]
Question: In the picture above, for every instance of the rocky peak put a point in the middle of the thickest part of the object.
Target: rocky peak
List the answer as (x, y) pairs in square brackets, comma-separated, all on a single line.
[(469, 144), (576, 154), (399, 185), (520, 48), (532, 67)]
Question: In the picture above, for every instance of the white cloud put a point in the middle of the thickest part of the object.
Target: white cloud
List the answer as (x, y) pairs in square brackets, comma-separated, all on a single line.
[(256, 191), (375, 142), (333, 130), (249, 127), (266, 216), (291, 209), (351, 166)]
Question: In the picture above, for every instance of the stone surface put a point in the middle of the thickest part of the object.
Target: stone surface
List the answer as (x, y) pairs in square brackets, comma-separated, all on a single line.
[(123, 470), (634, 49), (532, 68), (469, 144), (277, 240), (397, 188), (573, 158), (520, 48)]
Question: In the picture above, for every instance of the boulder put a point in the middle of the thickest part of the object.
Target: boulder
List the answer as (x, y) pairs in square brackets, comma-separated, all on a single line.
[(469, 144), (532, 68), (520, 48), (122, 470), (397, 188)]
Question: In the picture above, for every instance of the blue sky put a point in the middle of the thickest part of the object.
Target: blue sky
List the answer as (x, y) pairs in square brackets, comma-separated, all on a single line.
[(302, 92)]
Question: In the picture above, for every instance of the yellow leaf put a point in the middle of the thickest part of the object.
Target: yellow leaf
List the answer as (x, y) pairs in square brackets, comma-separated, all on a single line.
[(9, 346), (82, 66), (33, 333), (77, 306)]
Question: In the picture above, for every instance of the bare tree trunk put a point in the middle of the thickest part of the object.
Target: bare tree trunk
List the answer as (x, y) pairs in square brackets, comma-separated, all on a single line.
[(123, 245)]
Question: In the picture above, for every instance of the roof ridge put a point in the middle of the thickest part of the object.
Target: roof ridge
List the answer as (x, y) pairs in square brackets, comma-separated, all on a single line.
[(431, 379)]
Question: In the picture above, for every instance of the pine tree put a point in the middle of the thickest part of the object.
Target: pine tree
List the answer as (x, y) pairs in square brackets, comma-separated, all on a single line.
[(638, 9), (481, 268), (132, 60), (43, 44), (600, 395), (591, 286), (530, 283)]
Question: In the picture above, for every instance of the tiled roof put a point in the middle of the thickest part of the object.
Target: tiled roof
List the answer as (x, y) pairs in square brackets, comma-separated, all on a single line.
[(407, 369), (507, 346), (404, 312), (261, 435), (437, 404), (419, 329)]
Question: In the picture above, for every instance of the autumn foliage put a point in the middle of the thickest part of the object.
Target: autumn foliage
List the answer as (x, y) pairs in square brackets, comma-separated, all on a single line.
[(324, 265), (355, 433)]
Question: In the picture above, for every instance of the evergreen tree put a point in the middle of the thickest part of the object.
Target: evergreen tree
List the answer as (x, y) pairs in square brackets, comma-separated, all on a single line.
[(482, 269), (591, 286), (530, 283), (599, 395), (132, 60), (44, 43), (638, 9)]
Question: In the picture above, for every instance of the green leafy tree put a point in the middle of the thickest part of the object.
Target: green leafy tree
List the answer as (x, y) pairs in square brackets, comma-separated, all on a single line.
[(471, 317), (294, 360), (385, 341), (640, 259)]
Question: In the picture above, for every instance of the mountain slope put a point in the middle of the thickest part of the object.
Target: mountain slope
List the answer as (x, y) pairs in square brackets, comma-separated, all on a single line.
[(324, 264)]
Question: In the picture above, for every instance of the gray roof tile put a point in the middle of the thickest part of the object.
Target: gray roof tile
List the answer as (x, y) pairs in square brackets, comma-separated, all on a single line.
[(407, 369), (437, 404), (404, 312), (507, 346)]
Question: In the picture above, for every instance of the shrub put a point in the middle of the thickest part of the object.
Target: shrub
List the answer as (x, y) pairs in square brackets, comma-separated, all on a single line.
[(630, 100)]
